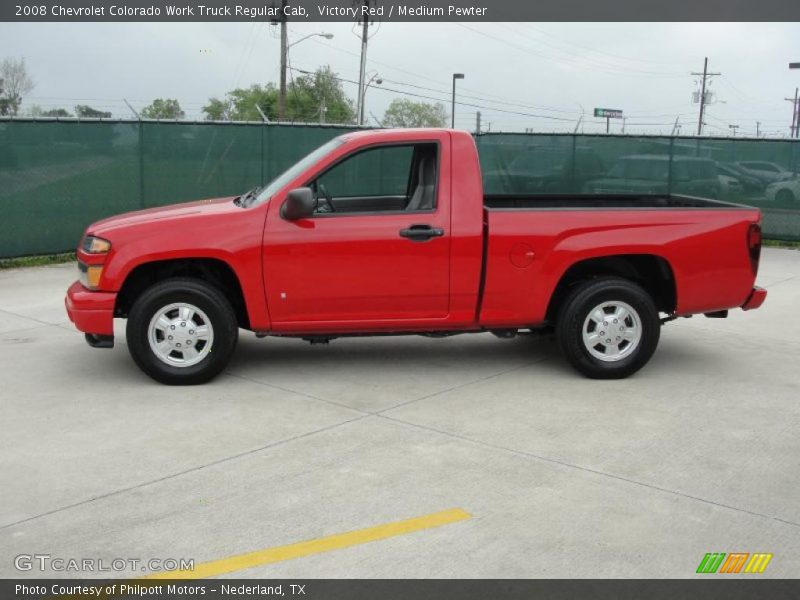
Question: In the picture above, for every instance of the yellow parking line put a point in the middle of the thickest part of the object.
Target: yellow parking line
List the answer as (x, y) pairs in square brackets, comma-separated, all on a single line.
[(316, 546)]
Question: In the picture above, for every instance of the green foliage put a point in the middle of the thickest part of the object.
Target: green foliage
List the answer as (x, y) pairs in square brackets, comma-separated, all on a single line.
[(240, 104), (38, 111), (57, 112), (321, 90), (163, 109), (36, 261), (305, 97), (407, 113), (87, 112)]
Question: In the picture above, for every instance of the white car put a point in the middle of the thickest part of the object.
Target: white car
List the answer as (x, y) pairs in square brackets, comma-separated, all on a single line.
[(783, 191), (767, 172)]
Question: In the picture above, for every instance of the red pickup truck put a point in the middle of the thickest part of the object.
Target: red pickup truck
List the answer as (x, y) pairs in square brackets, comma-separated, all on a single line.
[(389, 232)]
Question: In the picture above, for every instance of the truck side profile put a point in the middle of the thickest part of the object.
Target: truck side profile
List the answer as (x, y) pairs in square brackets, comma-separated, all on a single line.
[(389, 232)]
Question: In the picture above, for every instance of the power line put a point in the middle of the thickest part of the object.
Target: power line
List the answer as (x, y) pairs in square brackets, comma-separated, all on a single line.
[(458, 102)]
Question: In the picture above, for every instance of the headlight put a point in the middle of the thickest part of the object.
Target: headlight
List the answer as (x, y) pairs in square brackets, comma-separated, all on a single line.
[(95, 245)]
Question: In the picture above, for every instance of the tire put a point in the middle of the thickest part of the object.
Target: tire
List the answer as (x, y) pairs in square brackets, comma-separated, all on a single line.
[(785, 197), (635, 335), (194, 353)]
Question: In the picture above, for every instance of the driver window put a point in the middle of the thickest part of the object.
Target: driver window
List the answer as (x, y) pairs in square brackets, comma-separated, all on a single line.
[(381, 179)]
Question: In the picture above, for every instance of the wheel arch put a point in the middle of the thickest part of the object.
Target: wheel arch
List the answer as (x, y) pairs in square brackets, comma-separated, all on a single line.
[(651, 271), (214, 271)]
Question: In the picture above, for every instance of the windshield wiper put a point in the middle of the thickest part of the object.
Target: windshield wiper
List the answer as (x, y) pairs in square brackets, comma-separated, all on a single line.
[(244, 198)]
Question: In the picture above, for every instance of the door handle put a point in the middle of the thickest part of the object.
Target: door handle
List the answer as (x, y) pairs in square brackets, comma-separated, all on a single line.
[(421, 233)]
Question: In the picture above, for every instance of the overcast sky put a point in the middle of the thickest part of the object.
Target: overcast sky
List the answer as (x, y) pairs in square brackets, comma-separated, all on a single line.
[(554, 70)]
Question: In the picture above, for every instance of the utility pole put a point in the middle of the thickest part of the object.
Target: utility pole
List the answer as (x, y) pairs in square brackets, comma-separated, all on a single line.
[(363, 68), (734, 128), (478, 123), (284, 57), (453, 102), (676, 127), (705, 74), (758, 129), (793, 129)]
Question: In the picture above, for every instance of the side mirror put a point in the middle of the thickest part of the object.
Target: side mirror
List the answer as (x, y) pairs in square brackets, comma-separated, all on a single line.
[(300, 203)]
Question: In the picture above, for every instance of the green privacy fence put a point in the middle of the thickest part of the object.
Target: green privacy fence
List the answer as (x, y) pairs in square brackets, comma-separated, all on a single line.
[(56, 177), (758, 172)]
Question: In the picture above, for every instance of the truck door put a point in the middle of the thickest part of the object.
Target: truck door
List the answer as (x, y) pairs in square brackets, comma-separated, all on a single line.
[(376, 251)]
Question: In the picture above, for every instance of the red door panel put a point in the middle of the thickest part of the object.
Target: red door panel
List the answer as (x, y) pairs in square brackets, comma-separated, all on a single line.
[(356, 268)]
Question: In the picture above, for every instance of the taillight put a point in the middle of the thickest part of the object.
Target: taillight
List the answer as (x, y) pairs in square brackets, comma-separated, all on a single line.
[(754, 245)]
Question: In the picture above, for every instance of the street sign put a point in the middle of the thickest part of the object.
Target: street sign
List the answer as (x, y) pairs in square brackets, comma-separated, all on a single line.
[(608, 113), (794, 65)]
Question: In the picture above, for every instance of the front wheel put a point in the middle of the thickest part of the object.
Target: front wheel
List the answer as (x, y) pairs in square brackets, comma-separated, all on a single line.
[(182, 331), (608, 328)]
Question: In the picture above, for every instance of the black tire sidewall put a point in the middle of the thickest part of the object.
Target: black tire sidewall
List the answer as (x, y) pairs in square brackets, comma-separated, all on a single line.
[(206, 298), (583, 299)]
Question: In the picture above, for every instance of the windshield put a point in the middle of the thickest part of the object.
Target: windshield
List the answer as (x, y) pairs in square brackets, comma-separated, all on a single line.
[(284, 178)]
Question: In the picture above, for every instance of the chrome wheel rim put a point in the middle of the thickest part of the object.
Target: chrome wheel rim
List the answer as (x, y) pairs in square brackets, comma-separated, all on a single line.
[(180, 334), (612, 331)]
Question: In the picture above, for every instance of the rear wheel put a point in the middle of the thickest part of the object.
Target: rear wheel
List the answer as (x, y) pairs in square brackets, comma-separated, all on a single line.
[(608, 328), (785, 196), (182, 331)]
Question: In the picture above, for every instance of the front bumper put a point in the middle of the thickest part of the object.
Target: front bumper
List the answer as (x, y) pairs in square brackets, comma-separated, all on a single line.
[(756, 298), (91, 312)]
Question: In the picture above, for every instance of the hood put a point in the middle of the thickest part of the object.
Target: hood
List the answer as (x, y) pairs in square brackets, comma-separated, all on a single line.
[(171, 212)]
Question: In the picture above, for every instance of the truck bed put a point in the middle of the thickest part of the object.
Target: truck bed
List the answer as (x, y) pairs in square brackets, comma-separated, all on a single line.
[(586, 201), (533, 239)]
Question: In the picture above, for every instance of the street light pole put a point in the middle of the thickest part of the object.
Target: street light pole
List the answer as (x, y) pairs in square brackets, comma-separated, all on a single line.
[(453, 107), (362, 104), (284, 57)]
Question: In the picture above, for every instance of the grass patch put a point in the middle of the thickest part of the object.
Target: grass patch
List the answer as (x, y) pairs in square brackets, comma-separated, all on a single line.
[(36, 261), (782, 244)]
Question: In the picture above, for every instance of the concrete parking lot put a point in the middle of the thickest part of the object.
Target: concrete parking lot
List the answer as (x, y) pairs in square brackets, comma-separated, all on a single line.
[(554, 475)]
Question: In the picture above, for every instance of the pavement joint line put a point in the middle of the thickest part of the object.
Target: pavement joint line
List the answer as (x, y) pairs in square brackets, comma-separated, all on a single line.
[(297, 393), (780, 281), (369, 413), (184, 472), (590, 470), (9, 312), (310, 547), (15, 331), (460, 386)]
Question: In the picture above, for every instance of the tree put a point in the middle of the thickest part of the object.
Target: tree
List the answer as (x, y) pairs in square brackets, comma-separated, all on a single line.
[(240, 104), (57, 112), (163, 109), (407, 113), (87, 112), (319, 92), (38, 111), (15, 84), (311, 97)]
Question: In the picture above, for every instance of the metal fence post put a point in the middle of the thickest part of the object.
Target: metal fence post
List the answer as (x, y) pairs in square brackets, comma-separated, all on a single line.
[(671, 155), (141, 164)]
